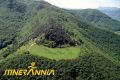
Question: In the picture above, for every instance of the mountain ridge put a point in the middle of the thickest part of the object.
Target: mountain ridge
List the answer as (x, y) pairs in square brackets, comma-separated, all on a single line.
[(98, 19), (113, 12)]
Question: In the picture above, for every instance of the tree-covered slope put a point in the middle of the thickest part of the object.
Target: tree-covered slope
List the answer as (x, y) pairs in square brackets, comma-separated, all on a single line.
[(106, 40), (13, 15), (88, 66), (98, 19)]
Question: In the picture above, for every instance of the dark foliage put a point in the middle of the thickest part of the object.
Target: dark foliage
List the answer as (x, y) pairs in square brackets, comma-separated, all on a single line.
[(58, 35), (40, 6), (26, 52), (16, 6)]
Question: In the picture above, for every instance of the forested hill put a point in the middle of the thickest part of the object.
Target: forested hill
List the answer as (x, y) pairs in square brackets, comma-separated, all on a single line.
[(13, 16), (98, 19), (54, 38)]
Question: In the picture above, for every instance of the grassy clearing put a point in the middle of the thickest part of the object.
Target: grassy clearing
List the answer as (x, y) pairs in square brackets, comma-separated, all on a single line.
[(52, 53), (55, 53)]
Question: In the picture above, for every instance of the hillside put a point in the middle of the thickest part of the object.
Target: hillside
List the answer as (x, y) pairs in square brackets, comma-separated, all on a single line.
[(11, 20), (97, 18), (13, 15), (54, 38), (113, 12)]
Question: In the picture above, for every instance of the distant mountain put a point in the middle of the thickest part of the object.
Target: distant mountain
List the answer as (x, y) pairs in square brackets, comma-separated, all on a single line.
[(98, 19), (113, 12)]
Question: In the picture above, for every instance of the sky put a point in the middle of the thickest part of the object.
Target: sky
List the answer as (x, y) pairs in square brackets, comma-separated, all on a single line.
[(83, 4)]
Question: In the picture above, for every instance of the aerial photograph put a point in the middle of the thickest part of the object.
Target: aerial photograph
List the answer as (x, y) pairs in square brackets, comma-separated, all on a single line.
[(59, 39)]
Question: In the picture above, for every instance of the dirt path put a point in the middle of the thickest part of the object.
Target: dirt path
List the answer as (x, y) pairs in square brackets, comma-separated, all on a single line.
[(30, 46)]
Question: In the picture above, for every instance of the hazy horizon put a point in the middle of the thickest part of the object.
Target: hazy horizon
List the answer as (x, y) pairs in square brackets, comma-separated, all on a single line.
[(84, 4)]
